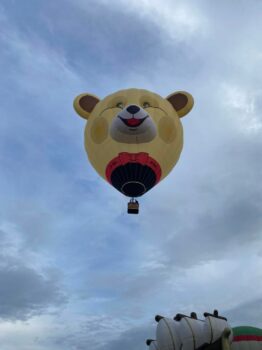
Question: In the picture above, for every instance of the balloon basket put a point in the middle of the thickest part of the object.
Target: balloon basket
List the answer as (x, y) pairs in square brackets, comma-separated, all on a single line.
[(133, 207)]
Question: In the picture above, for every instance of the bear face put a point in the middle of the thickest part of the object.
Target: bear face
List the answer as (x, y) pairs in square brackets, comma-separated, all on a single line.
[(131, 124)]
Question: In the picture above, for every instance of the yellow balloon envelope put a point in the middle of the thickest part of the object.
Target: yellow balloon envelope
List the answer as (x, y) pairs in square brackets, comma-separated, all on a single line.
[(133, 137)]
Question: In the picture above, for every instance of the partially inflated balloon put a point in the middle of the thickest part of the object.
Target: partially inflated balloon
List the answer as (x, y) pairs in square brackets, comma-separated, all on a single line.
[(247, 338), (190, 333)]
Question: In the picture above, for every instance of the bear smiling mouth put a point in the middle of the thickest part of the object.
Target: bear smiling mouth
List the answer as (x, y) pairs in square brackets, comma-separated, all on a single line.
[(133, 122)]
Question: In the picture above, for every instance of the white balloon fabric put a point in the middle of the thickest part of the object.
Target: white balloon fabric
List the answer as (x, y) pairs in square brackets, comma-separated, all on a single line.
[(189, 333), (167, 334), (214, 328)]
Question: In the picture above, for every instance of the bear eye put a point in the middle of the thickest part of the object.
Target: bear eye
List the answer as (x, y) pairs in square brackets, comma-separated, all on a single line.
[(146, 105), (120, 105)]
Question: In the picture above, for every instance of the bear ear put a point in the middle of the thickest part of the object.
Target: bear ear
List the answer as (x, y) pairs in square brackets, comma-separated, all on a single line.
[(84, 104), (181, 101)]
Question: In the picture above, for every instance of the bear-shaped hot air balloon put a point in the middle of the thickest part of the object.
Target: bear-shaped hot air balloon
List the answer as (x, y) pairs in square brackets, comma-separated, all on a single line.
[(133, 137)]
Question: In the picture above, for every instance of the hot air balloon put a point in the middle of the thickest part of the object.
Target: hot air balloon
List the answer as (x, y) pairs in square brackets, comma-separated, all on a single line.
[(247, 338), (133, 137)]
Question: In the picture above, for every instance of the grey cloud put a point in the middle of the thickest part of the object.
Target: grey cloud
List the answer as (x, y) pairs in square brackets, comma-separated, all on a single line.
[(222, 204), (133, 339), (85, 33), (28, 286), (217, 234), (25, 292), (87, 332), (247, 314)]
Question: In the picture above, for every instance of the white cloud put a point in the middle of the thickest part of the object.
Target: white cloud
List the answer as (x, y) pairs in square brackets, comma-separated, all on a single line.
[(178, 20), (241, 104)]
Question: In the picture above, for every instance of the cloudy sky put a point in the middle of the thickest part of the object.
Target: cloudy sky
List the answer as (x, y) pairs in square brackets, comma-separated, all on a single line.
[(76, 272)]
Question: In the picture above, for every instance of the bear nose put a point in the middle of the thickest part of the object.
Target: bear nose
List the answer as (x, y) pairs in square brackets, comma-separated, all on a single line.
[(133, 109)]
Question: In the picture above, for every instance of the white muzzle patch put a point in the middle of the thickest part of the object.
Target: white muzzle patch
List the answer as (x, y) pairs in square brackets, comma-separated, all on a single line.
[(133, 125)]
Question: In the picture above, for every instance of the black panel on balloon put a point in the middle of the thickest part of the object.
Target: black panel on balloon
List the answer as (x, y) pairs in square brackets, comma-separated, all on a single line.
[(133, 179)]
